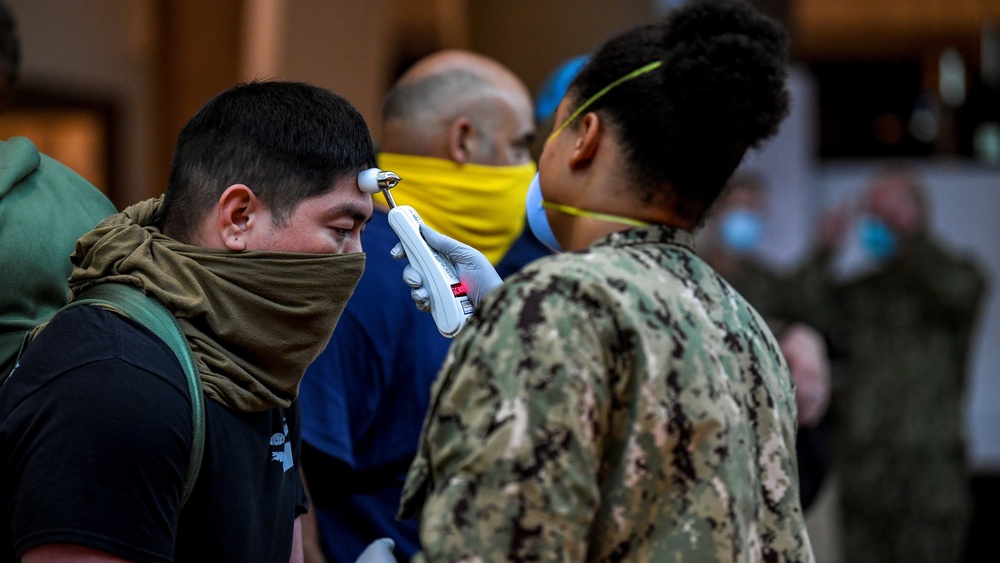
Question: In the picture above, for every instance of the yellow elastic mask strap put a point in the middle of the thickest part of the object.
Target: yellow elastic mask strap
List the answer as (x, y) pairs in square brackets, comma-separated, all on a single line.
[(569, 210), (482, 206), (635, 73), (594, 214)]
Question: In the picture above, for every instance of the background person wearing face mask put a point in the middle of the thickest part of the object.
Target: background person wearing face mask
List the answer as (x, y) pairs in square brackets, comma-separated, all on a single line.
[(620, 401), (730, 241), (899, 333), (457, 128)]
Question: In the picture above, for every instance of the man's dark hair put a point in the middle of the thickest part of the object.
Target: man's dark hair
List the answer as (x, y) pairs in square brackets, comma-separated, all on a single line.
[(687, 124), (286, 141)]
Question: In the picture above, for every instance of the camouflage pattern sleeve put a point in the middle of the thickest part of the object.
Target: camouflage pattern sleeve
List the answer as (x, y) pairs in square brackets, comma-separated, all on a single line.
[(954, 284), (623, 403), (517, 434), (954, 288), (808, 293)]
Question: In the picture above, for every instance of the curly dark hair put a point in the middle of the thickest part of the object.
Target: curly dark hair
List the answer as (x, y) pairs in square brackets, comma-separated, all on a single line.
[(719, 91)]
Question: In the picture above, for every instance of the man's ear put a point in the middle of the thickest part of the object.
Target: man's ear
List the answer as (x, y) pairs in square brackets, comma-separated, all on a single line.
[(236, 215), (460, 140), (587, 140)]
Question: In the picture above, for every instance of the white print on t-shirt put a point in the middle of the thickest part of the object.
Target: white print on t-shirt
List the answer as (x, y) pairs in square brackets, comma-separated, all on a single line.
[(284, 455)]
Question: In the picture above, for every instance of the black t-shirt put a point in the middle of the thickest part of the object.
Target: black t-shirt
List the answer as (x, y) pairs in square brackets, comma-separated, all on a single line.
[(95, 438)]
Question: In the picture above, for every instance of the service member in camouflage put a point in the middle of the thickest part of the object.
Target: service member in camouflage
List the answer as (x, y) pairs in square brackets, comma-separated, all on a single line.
[(620, 401), (900, 336)]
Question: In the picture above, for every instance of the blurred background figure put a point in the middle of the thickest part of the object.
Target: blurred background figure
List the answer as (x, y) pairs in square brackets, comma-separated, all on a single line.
[(730, 241), (900, 326), (457, 128)]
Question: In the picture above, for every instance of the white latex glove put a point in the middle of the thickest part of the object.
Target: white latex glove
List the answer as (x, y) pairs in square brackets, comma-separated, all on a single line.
[(473, 268), (379, 551)]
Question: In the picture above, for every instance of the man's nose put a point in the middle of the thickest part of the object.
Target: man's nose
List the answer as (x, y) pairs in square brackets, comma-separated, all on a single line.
[(353, 246)]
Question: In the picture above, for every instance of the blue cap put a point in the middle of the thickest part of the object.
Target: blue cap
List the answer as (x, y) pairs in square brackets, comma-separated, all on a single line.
[(555, 85)]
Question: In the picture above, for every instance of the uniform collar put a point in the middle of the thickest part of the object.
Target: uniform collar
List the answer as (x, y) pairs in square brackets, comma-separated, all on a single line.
[(653, 234)]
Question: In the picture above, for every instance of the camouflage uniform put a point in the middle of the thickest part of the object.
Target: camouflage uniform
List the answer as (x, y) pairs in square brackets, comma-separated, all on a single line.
[(899, 341), (770, 294), (622, 403)]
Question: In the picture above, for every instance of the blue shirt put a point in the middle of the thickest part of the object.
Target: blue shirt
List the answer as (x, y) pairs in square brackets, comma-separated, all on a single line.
[(364, 399)]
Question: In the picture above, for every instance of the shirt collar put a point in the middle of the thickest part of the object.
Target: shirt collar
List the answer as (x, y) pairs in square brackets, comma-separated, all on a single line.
[(653, 234)]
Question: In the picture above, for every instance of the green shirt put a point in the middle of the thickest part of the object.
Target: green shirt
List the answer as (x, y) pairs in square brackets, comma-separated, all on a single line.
[(44, 208)]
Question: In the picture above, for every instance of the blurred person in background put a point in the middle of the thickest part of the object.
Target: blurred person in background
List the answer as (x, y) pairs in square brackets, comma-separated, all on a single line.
[(44, 208), (900, 329), (457, 128), (730, 242), (549, 94)]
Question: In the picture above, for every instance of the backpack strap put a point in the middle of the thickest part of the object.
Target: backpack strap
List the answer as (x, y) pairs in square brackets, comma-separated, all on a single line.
[(149, 312)]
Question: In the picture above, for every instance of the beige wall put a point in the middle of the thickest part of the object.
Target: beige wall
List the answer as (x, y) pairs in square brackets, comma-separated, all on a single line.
[(110, 49), (96, 48), (342, 45), (533, 37)]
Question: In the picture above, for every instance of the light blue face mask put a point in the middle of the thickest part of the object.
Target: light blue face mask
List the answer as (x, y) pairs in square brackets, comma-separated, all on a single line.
[(877, 238), (742, 230), (538, 221)]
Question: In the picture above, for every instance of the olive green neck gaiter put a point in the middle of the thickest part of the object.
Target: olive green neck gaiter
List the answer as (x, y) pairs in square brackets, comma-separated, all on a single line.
[(254, 319)]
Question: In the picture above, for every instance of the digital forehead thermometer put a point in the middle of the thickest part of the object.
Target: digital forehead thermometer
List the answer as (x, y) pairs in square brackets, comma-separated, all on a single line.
[(450, 304)]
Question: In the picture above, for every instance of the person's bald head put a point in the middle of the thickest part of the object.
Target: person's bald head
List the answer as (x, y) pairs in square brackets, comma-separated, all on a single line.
[(460, 106)]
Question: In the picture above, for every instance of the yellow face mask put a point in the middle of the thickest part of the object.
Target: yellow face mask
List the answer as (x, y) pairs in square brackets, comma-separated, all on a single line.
[(482, 206)]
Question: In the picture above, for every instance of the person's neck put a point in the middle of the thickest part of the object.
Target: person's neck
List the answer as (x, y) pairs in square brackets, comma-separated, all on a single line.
[(620, 200)]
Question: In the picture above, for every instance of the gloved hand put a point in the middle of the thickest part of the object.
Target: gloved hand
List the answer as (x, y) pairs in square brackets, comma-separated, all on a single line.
[(473, 268), (379, 551)]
